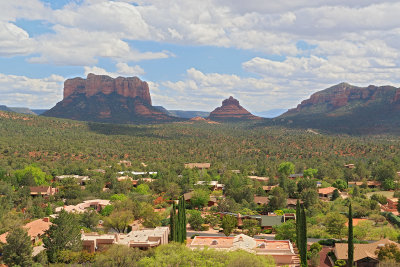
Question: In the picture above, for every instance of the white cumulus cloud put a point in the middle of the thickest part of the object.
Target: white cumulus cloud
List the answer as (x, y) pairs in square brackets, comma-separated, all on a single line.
[(28, 92)]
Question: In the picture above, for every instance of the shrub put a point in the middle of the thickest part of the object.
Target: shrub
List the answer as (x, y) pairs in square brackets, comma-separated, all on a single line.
[(340, 263), (380, 198), (195, 220), (327, 242), (267, 231), (331, 254), (392, 218), (316, 246), (204, 227), (278, 212)]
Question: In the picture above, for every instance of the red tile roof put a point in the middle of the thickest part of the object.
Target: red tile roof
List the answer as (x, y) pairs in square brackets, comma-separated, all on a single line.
[(327, 190), (34, 228)]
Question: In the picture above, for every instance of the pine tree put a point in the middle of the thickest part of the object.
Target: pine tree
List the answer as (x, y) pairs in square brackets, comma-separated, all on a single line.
[(303, 238), (18, 250), (63, 234), (350, 240)]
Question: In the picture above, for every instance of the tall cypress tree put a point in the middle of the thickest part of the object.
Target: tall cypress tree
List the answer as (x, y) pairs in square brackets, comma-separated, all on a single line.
[(183, 219), (179, 222), (350, 241), (173, 223), (298, 223), (303, 238)]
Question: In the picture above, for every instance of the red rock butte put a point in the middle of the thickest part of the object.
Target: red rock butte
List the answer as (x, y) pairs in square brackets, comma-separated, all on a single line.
[(231, 110), (100, 98), (94, 84), (343, 94)]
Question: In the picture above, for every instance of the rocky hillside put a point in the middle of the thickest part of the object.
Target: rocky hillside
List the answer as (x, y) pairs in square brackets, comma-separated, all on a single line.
[(349, 109), (101, 98), (231, 110), (5, 108)]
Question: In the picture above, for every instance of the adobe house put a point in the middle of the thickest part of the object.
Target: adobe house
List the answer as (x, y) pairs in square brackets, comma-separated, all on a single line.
[(213, 185), (326, 192), (268, 188), (44, 191), (349, 166), (369, 184), (81, 180), (261, 200), (142, 239), (259, 178), (95, 204), (292, 202)]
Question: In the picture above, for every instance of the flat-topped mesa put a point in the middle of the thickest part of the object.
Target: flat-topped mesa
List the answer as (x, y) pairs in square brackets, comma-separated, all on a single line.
[(100, 98), (94, 84), (231, 110)]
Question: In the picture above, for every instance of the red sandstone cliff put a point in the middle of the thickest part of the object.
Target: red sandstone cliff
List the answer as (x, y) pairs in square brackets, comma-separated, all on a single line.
[(231, 110), (94, 84), (101, 98), (344, 94)]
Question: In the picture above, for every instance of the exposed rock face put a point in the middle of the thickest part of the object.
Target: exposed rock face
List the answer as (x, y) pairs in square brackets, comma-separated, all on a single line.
[(344, 108), (343, 95), (231, 110), (101, 98), (94, 84)]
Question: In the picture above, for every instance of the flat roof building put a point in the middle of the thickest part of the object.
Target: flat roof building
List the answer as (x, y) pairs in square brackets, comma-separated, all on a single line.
[(281, 250), (142, 239)]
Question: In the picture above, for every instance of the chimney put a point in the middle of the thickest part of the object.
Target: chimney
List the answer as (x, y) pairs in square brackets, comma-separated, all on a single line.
[(116, 238), (46, 219)]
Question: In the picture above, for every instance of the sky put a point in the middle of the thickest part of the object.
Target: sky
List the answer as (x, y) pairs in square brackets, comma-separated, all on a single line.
[(268, 54)]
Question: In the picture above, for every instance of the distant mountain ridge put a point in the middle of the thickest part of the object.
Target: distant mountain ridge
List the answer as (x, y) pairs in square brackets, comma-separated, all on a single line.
[(348, 109), (185, 114), (39, 111), (5, 108), (100, 98), (21, 110), (272, 113)]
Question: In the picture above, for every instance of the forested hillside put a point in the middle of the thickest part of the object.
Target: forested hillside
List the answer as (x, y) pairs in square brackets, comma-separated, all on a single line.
[(56, 143)]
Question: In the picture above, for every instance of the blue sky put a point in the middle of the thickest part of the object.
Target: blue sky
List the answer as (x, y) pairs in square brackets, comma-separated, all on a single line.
[(194, 54)]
